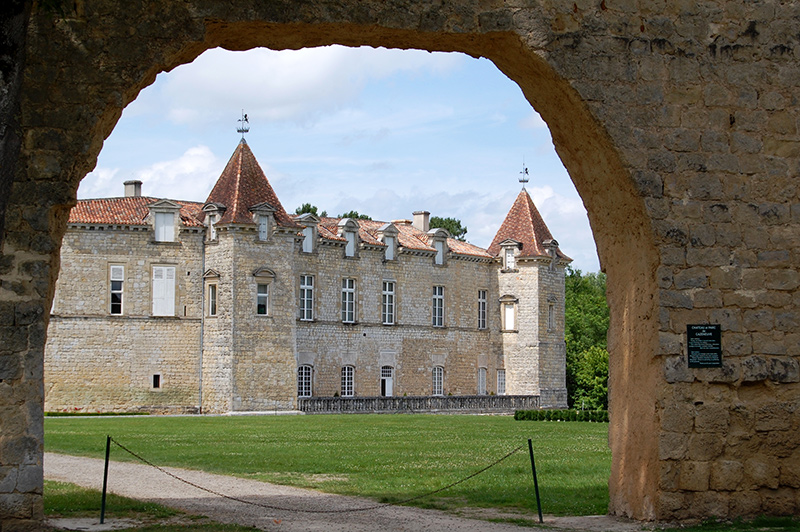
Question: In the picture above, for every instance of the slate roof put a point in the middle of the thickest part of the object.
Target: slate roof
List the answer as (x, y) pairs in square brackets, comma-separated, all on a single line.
[(242, 185), (408, 237), (128, 211), (524, 224)]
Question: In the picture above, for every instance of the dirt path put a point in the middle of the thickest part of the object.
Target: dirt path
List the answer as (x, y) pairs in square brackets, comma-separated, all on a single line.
[(146, 483)]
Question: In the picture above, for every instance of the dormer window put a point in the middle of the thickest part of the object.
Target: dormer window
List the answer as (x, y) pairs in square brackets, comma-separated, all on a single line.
[(165, 227), (387, 233), (309, 223), (439, 237), (214, 213), (508, 254), (348, 229), (263, 227), (263, 217), (164, 214)]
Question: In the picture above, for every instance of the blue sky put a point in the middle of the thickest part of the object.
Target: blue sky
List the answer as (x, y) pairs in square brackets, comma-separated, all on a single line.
[(383, 132)]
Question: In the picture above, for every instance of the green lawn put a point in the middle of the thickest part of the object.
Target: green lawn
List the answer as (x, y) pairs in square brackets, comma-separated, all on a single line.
[(385, 457)]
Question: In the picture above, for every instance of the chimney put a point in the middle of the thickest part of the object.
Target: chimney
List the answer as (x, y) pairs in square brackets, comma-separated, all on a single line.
[(422, 220), (133, 189)]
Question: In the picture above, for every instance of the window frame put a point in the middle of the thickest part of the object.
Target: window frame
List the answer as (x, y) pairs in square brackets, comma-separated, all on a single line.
[(501, 381), (387, 372), (164, 228), (481, 381), (262, 227), (437, 380), (305, 380), (482, 301), (306, 297), (437, 306), (388, 302), (170, 288), (119, 291), (348, 308), (212, 294), (347, 388), (263, 295)]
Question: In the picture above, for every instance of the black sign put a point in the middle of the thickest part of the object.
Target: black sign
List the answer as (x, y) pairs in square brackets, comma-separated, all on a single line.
[(704, 343)]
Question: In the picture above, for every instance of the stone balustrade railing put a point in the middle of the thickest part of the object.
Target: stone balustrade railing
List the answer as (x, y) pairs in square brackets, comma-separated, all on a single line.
[(456, 403)]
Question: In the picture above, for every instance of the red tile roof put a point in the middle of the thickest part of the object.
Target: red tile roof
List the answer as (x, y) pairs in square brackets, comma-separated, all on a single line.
[(127, 211), (408, 237), (524, 224), (242, 185)]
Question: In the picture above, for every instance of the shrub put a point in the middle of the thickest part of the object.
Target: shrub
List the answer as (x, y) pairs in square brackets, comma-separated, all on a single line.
[(596, 416)]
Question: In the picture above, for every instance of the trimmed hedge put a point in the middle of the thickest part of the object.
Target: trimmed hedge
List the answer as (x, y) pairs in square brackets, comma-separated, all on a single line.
[(597, 416)]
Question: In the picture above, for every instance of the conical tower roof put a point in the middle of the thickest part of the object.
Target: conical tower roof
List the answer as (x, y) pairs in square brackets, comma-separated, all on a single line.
[(524, 224), (243, 185)]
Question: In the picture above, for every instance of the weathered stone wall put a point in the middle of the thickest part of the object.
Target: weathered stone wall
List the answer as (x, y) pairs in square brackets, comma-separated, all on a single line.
[(412, 346), (677, 125), (90, 362)]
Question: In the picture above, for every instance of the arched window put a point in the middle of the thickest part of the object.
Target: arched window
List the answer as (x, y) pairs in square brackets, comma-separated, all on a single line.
[(304, 374)]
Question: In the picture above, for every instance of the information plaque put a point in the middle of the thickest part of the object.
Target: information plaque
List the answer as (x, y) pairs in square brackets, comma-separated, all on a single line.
[(704, 344)]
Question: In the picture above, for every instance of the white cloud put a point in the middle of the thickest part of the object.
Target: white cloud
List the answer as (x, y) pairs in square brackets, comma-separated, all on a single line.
[(190, 177), (293, 85), (98, 184)]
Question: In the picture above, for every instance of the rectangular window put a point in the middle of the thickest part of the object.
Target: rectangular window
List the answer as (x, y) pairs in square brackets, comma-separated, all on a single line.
[(304, 380), (509, 322), (481, 381), (308, 239), (156, 381), (350, 247), (501, 382), (387, 384), (262, 299), (306, 297), (389, 241), (438, 306), (212, 226), (263, 227), (438, 380), (212, 300), (439, 247), (481, 309), (117, 278), (347, 381), (348, 300), (165, 227), (551, 317), (387, 303), (163, 290), (510, 263)]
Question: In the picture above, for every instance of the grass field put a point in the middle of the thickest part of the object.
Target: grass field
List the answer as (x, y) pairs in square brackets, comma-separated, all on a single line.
[(384, 457)]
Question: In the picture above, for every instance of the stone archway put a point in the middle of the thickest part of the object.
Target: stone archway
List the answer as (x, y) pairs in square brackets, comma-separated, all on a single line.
[(674, 125)]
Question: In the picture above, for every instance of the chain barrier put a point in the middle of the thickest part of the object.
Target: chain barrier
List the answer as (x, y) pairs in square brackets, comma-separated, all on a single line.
[(346, 510)]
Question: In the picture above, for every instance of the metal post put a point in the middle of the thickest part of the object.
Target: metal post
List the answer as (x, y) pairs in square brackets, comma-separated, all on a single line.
[(105, 481), (535, 481)]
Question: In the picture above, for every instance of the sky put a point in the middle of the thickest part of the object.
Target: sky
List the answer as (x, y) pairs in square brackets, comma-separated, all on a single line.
[(383, 132)]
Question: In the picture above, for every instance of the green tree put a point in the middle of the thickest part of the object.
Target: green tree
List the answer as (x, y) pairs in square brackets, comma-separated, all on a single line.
[(354, 215), (452, 225), (586, 317), (312, 209), (591, 378)]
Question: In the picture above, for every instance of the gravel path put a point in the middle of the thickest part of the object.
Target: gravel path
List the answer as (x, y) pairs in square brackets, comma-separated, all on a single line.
[(143, 482)]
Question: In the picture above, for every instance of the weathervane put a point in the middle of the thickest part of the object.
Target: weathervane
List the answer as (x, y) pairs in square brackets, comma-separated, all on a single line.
[(524, 174), (244, 125)]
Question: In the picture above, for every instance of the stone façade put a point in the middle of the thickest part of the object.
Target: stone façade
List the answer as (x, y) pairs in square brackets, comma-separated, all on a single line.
[(228, 356)]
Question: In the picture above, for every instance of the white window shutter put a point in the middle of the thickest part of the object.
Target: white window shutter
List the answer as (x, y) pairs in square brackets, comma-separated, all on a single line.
[(163, 290), (117, 273)]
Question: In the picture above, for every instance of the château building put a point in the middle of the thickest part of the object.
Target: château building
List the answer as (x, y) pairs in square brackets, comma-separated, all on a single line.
[(236, 305)]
